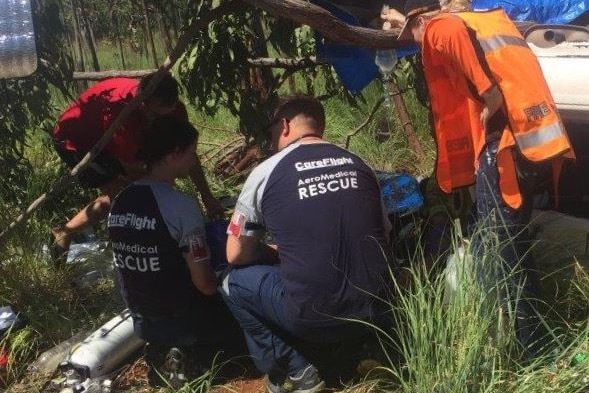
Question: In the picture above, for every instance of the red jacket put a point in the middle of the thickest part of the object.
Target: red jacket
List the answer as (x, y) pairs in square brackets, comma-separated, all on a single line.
[(86, 120)]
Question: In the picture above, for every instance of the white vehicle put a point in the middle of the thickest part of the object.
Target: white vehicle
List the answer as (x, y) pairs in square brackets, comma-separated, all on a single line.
[(563, 53)]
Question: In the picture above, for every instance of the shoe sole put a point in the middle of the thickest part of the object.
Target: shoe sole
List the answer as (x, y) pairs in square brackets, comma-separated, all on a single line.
[(315, 389)]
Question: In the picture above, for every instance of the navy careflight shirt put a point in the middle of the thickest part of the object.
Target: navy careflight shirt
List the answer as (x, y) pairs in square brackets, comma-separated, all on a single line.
[(149, 225), (321, 205)]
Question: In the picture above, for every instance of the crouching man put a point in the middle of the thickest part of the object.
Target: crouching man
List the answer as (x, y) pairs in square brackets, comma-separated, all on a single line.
[(161, 256), (321, 206)]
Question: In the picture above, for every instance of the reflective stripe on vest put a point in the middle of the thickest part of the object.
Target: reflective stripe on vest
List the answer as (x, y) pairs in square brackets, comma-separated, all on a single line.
[(539, 137), (500, 41), (533, 120)]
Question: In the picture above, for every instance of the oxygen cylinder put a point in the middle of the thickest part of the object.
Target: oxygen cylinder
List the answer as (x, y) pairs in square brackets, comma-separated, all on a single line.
[(106, 349)]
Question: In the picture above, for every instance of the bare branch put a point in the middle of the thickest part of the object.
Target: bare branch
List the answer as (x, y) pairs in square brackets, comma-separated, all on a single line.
[(364, 123), (332, 28), (96, 76), (299, 62), (178, 50), (271, 62)]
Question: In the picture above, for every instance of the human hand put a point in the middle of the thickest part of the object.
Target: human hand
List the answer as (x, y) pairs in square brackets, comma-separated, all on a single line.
[(391, 18), (493, 102), (484, 118)]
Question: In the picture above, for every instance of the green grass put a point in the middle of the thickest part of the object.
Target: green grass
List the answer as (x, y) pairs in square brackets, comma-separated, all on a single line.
[(432, 346), (466, 344)]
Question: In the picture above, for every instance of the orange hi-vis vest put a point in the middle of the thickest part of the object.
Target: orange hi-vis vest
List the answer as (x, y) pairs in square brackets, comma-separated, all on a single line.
[(534, 126)]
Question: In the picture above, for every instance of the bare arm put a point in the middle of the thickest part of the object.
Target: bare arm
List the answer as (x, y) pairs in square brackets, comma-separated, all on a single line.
[(212, 205), (493, 103), (197, 258), (246, 250)]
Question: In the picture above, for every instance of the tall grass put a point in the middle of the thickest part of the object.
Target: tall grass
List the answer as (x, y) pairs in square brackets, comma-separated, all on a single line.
[(445, 339), (458, 345)]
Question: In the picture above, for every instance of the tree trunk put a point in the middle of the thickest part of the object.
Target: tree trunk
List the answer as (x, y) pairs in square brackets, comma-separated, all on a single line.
[(71, 43), (163, 29), (292, 84), (260, 48), (89, 36), (149, 34), (405, 119), (118, 34), (174, 22), (266, 78), (77, 37)]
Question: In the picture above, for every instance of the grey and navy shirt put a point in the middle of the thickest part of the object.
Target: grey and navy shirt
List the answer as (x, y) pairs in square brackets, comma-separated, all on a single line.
[(321, 205), (150, 225)]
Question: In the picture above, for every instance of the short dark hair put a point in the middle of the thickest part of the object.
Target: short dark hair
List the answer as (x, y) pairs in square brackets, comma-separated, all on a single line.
[(165, 135), (166, 91), (308, 106)]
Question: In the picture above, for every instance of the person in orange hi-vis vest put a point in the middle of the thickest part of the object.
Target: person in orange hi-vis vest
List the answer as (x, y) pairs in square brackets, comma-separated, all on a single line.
[(496, 126)]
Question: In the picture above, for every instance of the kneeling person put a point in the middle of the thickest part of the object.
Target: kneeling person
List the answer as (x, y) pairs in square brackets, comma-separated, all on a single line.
[(321, 205), (161, 256)]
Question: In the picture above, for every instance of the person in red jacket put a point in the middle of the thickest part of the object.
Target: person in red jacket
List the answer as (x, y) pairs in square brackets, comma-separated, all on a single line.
[(87, 119)]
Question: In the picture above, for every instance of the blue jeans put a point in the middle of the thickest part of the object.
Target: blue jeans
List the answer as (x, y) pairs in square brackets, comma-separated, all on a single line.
[(502, 248), (254, 296)]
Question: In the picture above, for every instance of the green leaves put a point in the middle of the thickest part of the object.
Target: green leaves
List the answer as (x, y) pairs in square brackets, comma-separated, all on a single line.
[(216, 72), (25, 104)]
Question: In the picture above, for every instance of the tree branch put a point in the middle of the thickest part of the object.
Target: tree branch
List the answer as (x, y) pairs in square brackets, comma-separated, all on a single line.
[(332, 28), (96, 76), (364, 123), (178, 50), (298, 62), (271, 62)]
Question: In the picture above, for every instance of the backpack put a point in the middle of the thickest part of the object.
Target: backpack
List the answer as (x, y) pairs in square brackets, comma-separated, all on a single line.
[(400, 193)]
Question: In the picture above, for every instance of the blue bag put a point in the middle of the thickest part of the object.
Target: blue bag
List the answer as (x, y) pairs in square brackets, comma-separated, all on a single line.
[(400, 193)]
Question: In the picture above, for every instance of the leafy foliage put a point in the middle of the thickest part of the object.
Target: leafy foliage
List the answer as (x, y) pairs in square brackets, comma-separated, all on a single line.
[(25, 104), (216, 72)]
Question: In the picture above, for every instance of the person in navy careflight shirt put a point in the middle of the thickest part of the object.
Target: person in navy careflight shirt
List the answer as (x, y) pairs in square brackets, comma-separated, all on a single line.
[(161, 256), (321, 206)]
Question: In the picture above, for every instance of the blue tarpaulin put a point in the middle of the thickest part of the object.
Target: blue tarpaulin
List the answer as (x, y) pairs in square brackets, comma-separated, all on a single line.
[(355, 66), (540, 11)]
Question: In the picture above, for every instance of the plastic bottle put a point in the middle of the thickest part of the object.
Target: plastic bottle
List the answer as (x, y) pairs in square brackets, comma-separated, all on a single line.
[(85, 246), (92, 256), (17, 46), (386, 60)]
